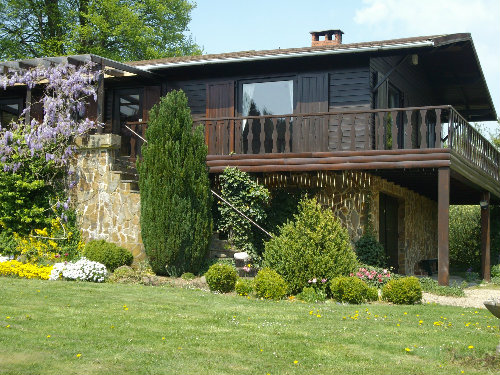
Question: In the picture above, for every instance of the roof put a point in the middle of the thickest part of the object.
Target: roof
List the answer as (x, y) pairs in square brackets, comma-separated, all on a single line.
[(402, 43)]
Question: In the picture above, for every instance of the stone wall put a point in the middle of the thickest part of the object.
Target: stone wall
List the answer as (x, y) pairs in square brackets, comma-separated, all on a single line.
[(107, 206), (354, 198)]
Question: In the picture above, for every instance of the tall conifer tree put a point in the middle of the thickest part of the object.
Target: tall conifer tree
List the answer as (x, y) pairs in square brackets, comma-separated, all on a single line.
[(176, 221)]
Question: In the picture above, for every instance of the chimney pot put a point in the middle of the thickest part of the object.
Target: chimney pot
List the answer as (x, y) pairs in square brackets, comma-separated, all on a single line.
[(328, 41)]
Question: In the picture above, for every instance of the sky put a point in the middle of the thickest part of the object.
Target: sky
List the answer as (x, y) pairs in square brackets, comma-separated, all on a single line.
[(220, 26)]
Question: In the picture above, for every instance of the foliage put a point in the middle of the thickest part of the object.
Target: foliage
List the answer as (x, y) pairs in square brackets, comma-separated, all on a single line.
[(136, 274), (465, 237), (369, 250), (269, 284), (8, 243), (109, 254), (471, 276), (404, 291), (221, 278), (34, 157), (57, 241), (283, 205), (25, 270), (81, 270), (239, 189), (374, 276), (495, 270), (176, 221), (314, 245), (351, 290), (188, 276), (312, 295), (120, 30), (431, 286), (244, 287)]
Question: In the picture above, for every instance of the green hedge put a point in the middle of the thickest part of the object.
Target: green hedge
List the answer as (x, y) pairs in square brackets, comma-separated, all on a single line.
[(109, 254)]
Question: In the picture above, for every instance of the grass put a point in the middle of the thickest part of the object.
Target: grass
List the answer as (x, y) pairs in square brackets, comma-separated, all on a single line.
[(84, 328)]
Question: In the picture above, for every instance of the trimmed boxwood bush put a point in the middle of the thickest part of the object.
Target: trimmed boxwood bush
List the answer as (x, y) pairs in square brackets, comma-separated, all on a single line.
[(244, 287), (352, 290), (107, 253), (221, 278), (313, 246), (269, 284), (369, 250), (404, 291)]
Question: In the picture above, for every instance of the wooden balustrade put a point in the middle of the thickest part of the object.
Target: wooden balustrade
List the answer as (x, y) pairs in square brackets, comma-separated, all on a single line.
[(348, 130)]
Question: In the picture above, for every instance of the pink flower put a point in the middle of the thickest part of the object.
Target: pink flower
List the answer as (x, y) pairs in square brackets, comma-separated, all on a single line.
[(57, 255), (323, 281), (370, 277), (66, 254)]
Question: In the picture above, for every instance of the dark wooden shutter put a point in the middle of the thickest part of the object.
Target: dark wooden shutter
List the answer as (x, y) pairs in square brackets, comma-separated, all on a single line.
[(151, 97), (219, 135), (311, 133)]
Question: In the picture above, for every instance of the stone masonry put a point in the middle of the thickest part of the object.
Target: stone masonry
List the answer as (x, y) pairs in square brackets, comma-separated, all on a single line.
[(107, 204)]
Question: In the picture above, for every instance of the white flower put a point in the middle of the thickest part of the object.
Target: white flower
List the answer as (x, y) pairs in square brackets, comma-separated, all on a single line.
[(83, 270)]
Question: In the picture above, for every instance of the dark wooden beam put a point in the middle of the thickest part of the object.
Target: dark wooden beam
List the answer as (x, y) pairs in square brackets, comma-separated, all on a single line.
[(485, 236), (443, 223), (27, 115), (100, 101)]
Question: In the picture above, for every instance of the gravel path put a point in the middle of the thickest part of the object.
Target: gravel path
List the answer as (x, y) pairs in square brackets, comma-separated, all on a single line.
[(474, 297)]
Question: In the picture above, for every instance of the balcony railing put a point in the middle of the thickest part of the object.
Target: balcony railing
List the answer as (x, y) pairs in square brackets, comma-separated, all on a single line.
[(377, 129)]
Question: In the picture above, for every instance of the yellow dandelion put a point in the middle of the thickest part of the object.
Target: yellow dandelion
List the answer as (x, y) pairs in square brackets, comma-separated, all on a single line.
[(310, 312), (78, 355), (48, 336), (318, 316), (398, 325), (295, 362), (7, 317), (163, 338), (405, 313), (261, 350), (407, 350), (8, 326), (470, 347), (126, 309)]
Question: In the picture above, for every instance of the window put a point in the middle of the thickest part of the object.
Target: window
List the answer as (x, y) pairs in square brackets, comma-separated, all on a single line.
[(263, 99), (10, 109), (127, 108)]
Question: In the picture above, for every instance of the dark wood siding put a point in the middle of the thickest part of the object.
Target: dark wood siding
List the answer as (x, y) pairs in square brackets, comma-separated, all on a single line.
[(312, 93), (408, 78), (349, 89), (151, 97)]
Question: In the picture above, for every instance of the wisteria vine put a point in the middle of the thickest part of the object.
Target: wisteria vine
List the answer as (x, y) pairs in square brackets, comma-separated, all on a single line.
[(66, 90)]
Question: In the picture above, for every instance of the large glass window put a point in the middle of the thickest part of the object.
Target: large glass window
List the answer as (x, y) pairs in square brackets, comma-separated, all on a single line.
[(263, 99)]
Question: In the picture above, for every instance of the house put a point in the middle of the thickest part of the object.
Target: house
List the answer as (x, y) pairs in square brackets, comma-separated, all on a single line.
[(377, 130)]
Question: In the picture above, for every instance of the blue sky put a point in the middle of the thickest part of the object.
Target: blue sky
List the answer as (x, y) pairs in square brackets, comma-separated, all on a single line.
[(234, 25)]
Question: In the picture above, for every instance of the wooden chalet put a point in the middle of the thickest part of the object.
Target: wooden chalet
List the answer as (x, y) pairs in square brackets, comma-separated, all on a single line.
[(378, 129)]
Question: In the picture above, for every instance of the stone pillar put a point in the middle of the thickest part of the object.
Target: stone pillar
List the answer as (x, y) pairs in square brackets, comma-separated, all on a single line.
[(107, 207), (485, 236), (443, 225)]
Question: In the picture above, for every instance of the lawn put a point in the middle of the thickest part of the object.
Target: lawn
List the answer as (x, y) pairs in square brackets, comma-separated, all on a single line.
[(84, 328)]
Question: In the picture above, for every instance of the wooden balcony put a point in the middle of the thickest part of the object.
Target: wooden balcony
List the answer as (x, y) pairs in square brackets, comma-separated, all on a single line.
[(397, 137)]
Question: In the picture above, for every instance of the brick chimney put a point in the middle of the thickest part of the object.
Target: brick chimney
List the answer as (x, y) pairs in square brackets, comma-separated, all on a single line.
[(332, 38)]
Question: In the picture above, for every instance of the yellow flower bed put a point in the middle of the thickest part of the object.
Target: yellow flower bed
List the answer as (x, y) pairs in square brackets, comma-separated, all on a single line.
[(27, 271)]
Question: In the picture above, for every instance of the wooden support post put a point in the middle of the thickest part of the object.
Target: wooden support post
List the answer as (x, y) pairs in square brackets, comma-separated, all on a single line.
[(100, 100), (485, 236), (27, 115), (443, 223)]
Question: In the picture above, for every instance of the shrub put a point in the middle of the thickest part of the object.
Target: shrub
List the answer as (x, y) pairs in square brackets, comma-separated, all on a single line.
[(244, 287), (374, 276), (314, 245), (269, 284), (8, 244), (351, 290), (312, 295), (123, 274), (369, 250), (495, 270), (109, 254), (176, 218), (404, 291), (251, 198), (465, 237), (188, 276), (81, 270), (221, 278)]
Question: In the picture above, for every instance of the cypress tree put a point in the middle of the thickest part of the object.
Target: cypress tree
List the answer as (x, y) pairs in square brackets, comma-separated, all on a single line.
[(176, 221)]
